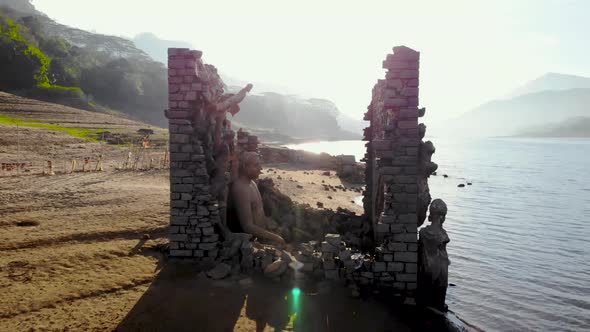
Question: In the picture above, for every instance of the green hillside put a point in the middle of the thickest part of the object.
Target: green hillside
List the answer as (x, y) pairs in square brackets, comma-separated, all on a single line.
[(46, 66), (42, 59)]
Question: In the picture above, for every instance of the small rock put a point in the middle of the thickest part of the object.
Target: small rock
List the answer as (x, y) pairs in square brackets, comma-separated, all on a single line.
[(224, 283), (345, 255), (452, 284), (219, 272), (246, 282), (468, 183), (333, 239), (320, 205), (461, 185), (146, 236), (279, 177), (445, 176), (276, 268), (28, 223), (299, 186), (295, 265), (328, 248), (410, 301), (326, 173)]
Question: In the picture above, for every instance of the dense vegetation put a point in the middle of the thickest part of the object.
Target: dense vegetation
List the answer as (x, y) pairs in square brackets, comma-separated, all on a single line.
[(50, 68)]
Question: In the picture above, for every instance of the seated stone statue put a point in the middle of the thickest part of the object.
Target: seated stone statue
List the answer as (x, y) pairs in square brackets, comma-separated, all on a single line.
[(433, 273), (245, 203)]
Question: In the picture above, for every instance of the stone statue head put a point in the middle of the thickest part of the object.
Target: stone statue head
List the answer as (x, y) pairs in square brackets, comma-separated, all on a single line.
[(249, 165), (438, 210)]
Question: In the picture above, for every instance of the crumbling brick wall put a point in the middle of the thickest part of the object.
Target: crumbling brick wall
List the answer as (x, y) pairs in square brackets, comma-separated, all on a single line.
[(397, 167), (194, 173)]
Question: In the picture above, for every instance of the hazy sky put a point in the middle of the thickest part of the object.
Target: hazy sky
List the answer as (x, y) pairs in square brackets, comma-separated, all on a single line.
[(471, 51)]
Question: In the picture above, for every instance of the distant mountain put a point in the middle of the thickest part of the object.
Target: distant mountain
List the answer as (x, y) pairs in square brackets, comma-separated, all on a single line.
[(574, 127), (157, 48), (349, 123), (552, 82), (301, 119), (545, 102), (509, 117), (272, 115)]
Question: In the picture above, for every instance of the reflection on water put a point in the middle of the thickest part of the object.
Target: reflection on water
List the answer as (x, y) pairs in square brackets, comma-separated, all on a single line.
[(520, 238)]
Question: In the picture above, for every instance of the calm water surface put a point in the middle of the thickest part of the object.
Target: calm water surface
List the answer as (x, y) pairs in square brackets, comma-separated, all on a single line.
[(520, 235)]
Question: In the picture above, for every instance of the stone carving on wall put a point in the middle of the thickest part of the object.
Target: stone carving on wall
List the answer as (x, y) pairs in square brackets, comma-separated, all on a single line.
[(433, 273), (425, 168), (217, 105)]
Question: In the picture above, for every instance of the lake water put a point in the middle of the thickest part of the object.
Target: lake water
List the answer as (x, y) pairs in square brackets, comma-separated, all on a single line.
[(520, 235)]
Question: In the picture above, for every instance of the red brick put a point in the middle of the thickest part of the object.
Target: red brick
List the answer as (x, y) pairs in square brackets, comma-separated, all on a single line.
[(410, 92), (175, 64), (172, 88), (175, 80), (409, 73), (191, 95), (408, 124), (396, 102), (394, 83), (175, 97)]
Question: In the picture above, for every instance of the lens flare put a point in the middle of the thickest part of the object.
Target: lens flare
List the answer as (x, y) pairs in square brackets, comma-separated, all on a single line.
[(294, 314)]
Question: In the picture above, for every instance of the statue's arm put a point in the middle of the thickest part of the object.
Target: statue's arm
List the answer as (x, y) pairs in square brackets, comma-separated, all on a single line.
[(244, 210), (234, 100)]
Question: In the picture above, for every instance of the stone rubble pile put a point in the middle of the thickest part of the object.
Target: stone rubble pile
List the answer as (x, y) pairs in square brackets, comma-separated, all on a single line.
[(331, 260)]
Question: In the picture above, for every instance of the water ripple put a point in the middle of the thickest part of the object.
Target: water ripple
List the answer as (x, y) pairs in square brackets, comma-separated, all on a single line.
[(520, 234)]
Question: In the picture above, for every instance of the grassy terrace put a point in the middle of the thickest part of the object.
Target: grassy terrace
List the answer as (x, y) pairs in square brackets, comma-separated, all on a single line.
[(87, 134)]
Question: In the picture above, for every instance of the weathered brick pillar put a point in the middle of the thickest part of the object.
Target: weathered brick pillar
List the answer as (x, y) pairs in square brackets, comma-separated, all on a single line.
[(246, 142), (194, 211), (396, 185)]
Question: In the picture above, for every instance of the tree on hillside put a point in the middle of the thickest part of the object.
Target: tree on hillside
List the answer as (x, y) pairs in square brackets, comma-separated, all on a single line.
[(18, 67)]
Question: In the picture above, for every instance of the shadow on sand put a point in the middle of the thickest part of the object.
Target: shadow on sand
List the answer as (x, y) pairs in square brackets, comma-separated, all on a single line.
[(181, 299)]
